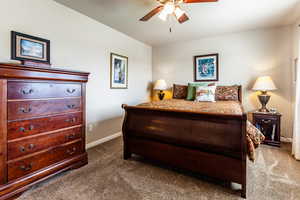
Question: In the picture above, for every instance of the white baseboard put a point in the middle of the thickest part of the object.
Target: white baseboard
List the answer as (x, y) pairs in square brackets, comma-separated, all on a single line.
[(285, 139), (102, 140)]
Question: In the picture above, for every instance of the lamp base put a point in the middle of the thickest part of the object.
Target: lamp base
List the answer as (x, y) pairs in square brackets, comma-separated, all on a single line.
[(161, 95), (264, 99), (263, 110)]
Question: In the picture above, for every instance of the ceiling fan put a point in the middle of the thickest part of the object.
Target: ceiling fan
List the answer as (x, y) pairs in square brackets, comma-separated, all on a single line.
[(172, 7)]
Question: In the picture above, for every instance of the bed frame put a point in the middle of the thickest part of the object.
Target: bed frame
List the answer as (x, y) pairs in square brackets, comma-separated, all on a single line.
[(206, 143)]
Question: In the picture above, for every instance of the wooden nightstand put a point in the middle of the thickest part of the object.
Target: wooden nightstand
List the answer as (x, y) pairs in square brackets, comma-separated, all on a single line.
[(269, 125)]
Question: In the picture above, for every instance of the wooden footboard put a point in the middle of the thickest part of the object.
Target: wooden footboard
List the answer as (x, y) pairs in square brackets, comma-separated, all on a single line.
[(206, 143)]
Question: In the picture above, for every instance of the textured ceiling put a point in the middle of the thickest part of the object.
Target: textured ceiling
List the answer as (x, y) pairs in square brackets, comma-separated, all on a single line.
[(207, 19)]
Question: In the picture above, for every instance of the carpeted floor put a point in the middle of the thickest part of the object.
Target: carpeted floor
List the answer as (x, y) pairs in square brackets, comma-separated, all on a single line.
[(274, 176)]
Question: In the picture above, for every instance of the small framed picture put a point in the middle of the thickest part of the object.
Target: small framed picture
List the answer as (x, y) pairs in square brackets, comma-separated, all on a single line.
[(29, 48), (206, 67), (118, 71)]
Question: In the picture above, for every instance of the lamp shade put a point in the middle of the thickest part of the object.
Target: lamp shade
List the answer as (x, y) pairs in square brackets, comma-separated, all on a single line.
[(264, 83), (160, 85)]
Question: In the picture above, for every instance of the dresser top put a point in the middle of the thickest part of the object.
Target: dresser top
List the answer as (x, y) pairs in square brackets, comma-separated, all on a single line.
[(14, 71)]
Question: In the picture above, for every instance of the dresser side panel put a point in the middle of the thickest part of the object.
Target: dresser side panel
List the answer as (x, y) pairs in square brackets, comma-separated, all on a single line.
[(3, 130), (83, 89)]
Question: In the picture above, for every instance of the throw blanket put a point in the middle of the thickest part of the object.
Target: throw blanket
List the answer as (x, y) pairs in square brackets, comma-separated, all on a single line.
[(254, 136)]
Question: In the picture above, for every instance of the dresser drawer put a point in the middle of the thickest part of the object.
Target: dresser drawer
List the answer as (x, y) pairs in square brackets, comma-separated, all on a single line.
[(32, 90), (27, 146), (31, 164), (23, 128), (27, 109)]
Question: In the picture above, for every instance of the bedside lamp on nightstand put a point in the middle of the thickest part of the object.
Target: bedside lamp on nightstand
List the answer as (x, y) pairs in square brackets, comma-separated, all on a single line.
[(264, 84), (160, 85)]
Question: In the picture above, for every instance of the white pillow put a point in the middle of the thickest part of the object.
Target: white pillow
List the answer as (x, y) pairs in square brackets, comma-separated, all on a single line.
[(205, 93)]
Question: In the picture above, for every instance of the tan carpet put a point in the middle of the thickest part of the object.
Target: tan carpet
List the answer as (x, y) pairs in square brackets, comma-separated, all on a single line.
[(274, 176)]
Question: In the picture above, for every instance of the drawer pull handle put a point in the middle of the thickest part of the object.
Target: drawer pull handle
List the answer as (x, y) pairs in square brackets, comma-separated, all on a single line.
[(71, 120), (71, 91), (31, 146), (31, 127), (26, 168), (22, 149), (24, 91), (22, 129), (70, 137), (72, 151), (266, 121), (23, 110), (71, 106)]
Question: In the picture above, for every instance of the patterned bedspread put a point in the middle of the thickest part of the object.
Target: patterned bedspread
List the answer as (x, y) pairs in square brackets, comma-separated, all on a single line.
[(254, 136), (218, 107)]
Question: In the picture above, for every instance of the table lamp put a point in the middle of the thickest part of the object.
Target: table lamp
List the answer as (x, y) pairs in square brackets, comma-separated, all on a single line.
[(264, 84), (160, 85)]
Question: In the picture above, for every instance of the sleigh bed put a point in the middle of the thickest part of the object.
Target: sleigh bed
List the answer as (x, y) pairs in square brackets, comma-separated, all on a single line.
[(204, 137)]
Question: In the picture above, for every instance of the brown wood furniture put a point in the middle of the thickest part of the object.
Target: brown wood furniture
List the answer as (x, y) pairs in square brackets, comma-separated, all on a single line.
[(207, 143), (269, 124), (42, 125)]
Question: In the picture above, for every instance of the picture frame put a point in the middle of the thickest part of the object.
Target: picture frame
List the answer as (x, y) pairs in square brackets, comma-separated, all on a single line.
[(118, 71), (206, 68), (29, 48)]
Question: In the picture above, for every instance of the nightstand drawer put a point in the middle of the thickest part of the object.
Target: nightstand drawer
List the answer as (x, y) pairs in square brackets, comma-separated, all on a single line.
[(266, 118), (266, 121)]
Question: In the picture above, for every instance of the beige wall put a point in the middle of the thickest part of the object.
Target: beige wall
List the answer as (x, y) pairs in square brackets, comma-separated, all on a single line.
[(296, 45), (296, 54), (80, 43), (243, 57)]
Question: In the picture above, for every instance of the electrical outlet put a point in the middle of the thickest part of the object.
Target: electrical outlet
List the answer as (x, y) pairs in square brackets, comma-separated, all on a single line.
[(90, 127)]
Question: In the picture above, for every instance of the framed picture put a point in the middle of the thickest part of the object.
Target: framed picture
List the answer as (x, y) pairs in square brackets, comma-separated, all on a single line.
[(118, 71), (206, 68), (29, 48)]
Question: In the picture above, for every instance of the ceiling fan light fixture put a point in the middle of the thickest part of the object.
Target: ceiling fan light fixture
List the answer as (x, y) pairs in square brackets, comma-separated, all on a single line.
[(169, 8), (178, 12), (163, 16)]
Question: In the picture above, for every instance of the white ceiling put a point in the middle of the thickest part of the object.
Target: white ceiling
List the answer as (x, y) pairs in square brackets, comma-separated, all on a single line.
[(207, 19)]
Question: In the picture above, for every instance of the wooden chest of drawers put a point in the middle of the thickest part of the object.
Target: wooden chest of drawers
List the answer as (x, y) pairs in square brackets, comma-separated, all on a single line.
[(42, 125)]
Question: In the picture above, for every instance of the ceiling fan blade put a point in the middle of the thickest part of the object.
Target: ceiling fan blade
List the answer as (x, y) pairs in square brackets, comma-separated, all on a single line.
[(199, 1), (152, 13), (183, 18)]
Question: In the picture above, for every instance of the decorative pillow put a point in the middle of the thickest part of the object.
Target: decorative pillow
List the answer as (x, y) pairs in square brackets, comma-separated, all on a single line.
[(205, 93), (191, 93), (250, 149), (179, 91), (227, 93), (254, 139), (255, 134)]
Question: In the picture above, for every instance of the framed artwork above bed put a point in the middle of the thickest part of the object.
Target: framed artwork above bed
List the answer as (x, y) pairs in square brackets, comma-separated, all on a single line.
[(206, 68)]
